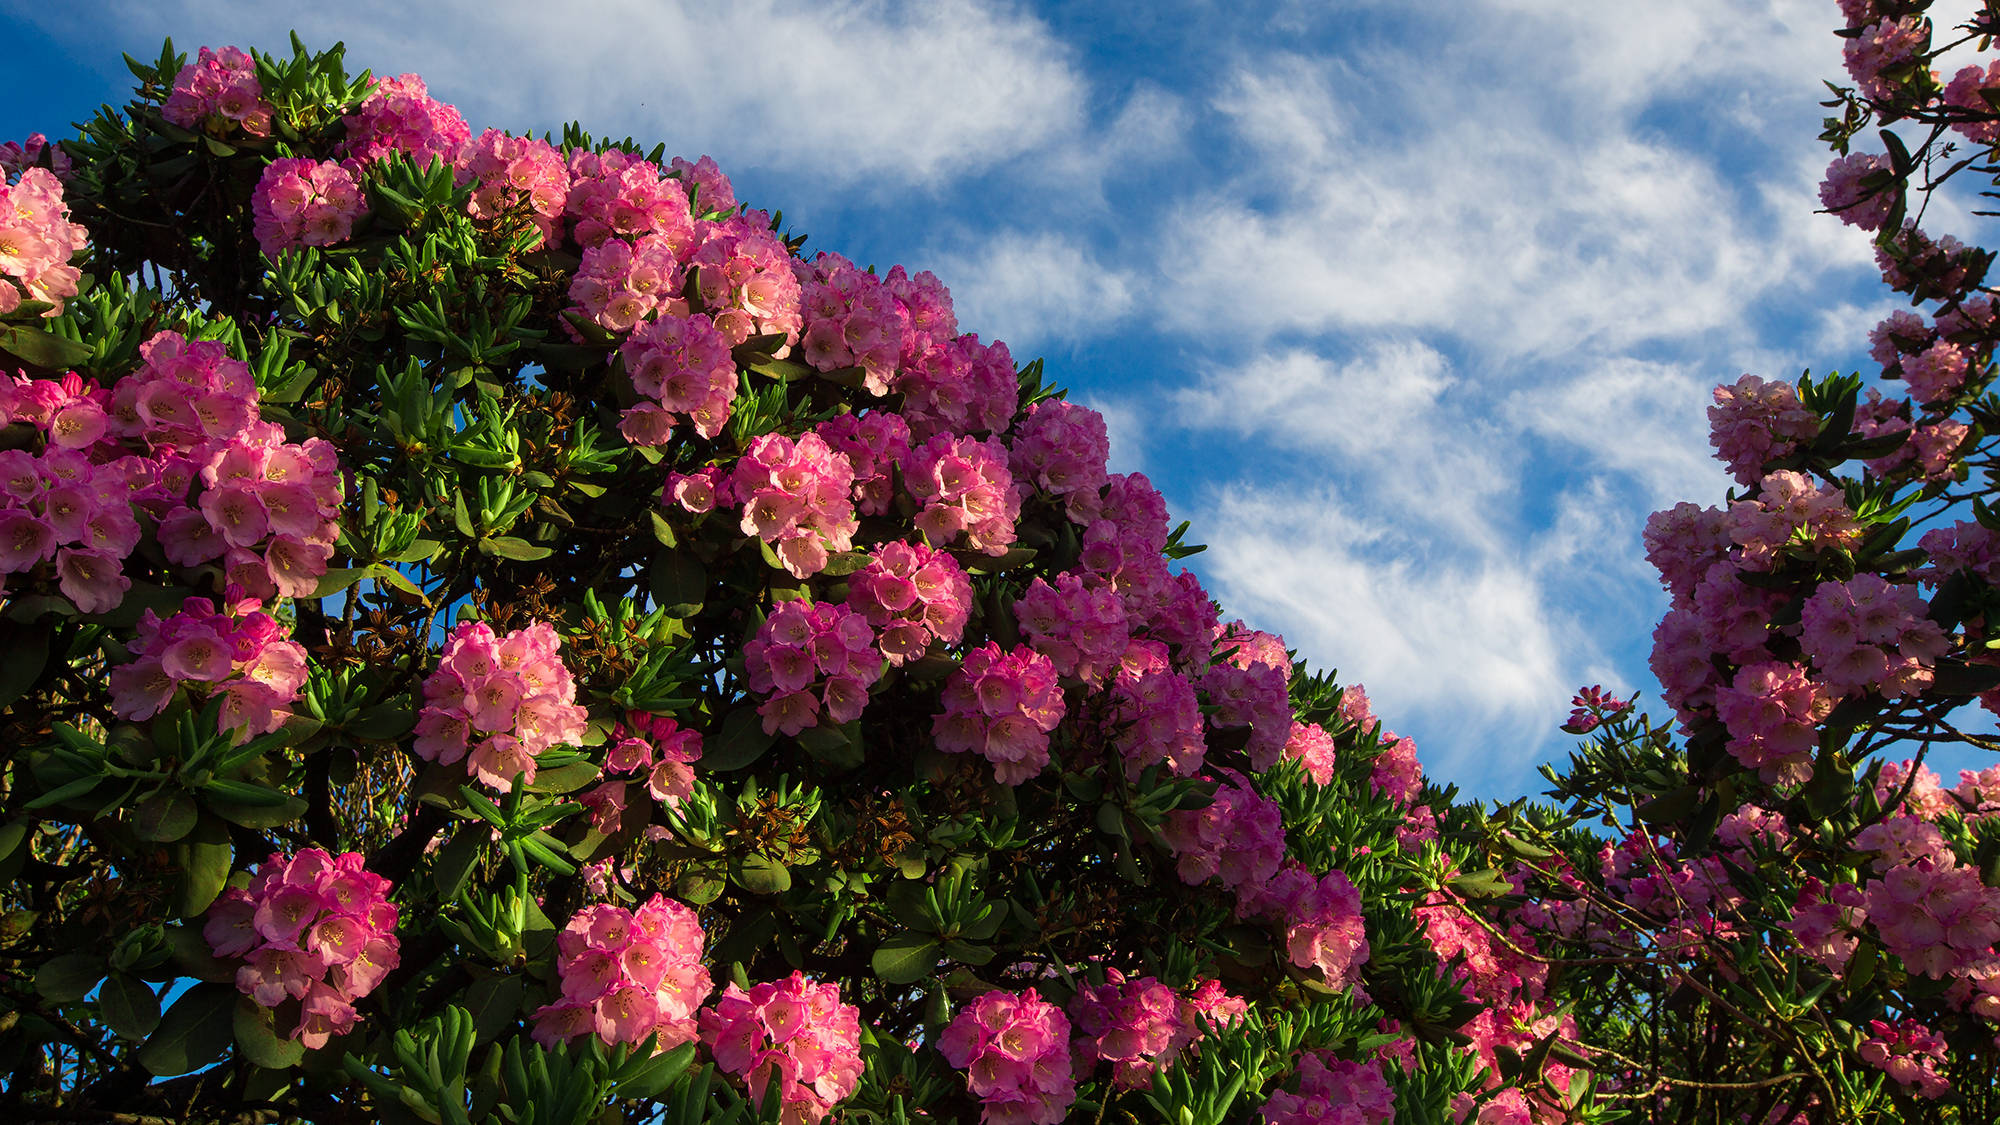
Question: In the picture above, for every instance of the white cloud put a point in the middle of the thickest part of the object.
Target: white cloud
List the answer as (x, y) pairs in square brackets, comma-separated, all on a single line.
[(1033, 290), (1302, 400), (1462, 645), (907, 91)]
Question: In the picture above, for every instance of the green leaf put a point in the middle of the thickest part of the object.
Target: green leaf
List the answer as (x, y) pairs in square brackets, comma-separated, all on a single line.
[(13, 848), (130, 1006), (495, 1004), (906, 958), (564, 779), (69, 978), (760, 875), (511, 547), (192, 956), (678, 582), (163, 816), (697, 888), (456, 859), (663, 531), (741, 742), (193, 1033), (256, 1033), (27, 653), (260, 815), (968, 953), (42, 349), (644, 1077), (837, 746), (844, 562), (205, 858), (340, 578), (386, 723)]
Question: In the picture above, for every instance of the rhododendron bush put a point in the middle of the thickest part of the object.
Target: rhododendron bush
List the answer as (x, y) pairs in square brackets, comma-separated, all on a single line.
[(1772, 908), (497, 627)]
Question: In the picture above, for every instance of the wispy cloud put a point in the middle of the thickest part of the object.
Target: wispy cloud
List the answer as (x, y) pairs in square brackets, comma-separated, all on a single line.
[(915, 92)]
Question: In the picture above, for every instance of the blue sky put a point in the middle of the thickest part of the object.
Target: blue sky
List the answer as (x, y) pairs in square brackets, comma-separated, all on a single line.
[(1412, 306)]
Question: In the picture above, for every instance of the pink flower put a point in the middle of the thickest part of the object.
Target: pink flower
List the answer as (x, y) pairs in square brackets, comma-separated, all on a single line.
[(1015, 1050), (1002, 705), (400, 116), (503, 699), (628, 974), (316, 928), (219, 92), (795, 1030), (824, 653), (1860, 189)]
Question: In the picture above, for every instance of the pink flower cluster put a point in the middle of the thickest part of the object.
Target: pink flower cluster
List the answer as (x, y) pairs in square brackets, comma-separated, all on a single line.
[(1002, 705), (795, 496), (683, 366), (1932, 270), (1080, 628), (697, 492), (966, 490), (1773, 710), (1016, 1052), (1591, 707), (1789, 508), (1324, 930), (793, 1030), (1255, 697), (627, 974), (62, 506), (1874, 56), (875, 443), (186, 395), (814, 663), (1930, 448), (266, 510), (1682, 543), (926, 313), (1155, 714), (1908, 1052), (1334, 1091), (1827, 922), (239, 652), (621, 283), (1238, 838), (37, 241), (851, 320), (217, 92), (614, 194), (399, 115), (1867, 635), (1060, 448), (1967, 91), (1935, 914), (1135, 1024), (912, 594), (1936, 373), (706, 185), (1397, 774), (1859, 188), (315, 928), (497, 702), (16, 157), (302, 202), (516, 175), (964, 387), (655, 746), (744, 274), (1755, 422)]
